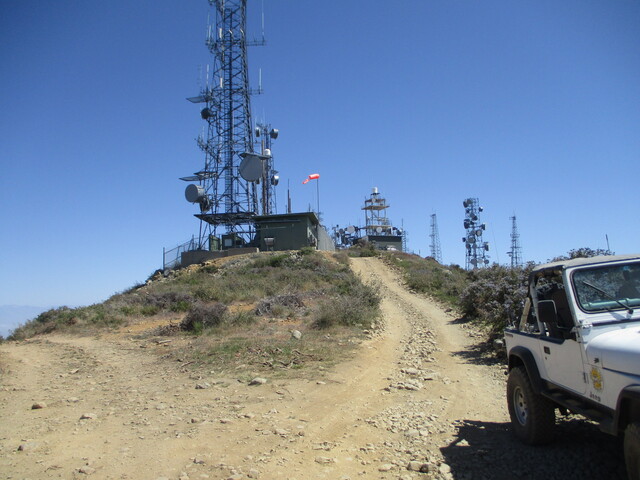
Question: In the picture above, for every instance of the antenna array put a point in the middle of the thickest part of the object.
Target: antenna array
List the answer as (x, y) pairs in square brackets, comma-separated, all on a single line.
[(227, 184), (270, 177), (436, 251), (376, 219), (477, 256)]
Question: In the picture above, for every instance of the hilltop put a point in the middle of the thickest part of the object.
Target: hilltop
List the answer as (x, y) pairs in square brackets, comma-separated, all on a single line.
[(408, 396), (249, 306)]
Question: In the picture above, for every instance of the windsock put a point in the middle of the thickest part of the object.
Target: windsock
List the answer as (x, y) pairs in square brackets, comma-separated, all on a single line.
[(313, 176)]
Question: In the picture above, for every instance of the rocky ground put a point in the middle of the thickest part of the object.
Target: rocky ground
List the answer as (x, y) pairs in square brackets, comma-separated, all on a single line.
[(418, 401)]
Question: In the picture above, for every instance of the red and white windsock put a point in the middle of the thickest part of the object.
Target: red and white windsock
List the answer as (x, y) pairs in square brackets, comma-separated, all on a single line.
[(313, 176)]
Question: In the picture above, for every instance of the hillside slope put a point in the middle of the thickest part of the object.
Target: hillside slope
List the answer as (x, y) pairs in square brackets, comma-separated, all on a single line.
[(117, 407)]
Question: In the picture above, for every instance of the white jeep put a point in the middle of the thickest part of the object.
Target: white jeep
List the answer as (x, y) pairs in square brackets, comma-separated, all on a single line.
[(576, 348)]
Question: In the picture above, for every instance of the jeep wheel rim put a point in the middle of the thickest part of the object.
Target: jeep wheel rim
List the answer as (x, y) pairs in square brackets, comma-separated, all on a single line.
[(520, 406)]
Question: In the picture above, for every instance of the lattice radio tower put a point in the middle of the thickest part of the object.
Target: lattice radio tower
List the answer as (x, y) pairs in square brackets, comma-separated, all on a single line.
[(477, 249), (226, 185), (436, 252), (516, 250), (375, 210)]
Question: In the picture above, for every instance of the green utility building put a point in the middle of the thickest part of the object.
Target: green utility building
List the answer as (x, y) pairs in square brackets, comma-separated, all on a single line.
[(291, 231)]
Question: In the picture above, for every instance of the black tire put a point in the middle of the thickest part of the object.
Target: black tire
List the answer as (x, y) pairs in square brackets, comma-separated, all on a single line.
[(632, 450), (532, 416)]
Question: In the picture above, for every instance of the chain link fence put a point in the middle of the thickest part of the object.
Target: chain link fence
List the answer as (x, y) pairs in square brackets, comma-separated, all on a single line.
[(171, 258)]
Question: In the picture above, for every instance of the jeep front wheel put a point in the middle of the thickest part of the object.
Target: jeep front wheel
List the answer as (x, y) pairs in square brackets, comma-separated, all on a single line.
[(532, 415), (632, 450)]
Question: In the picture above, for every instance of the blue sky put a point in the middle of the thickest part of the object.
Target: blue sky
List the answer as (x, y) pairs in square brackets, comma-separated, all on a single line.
[(531, 106)]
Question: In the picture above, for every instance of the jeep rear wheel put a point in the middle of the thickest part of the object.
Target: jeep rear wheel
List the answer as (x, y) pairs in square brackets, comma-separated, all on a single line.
[(632, 450), (532, 415)]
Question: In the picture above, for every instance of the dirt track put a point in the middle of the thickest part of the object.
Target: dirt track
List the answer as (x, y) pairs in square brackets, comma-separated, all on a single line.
[(417, 392)]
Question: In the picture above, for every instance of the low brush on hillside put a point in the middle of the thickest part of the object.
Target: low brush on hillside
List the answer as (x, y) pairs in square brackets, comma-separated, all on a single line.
[(248, 309), (426, 275)]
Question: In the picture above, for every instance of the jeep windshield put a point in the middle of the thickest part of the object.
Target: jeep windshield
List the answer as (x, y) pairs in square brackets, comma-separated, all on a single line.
[(608, 287)]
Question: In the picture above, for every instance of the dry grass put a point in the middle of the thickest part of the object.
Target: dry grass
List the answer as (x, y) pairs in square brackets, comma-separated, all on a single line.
[(269, 348), (425, 275), (239, 315)]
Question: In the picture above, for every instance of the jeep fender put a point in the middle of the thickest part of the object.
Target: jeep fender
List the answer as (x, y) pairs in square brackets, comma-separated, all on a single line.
[(520, 355), (628, 407)]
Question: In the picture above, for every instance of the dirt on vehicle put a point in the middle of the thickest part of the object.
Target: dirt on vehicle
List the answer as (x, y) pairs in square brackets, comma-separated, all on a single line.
[(420, 399)]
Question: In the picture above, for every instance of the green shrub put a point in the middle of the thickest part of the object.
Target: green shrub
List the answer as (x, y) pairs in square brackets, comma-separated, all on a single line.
[(180, 306), (269, 305), (149, 310), (495, 295), (241, 318), (363, 249), (167, 300), (202, 316), (342, 257), (128, 310), (352, 304)]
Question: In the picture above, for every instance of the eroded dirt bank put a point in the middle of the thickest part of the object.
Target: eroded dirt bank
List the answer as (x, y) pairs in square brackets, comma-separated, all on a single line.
[(416, 397)]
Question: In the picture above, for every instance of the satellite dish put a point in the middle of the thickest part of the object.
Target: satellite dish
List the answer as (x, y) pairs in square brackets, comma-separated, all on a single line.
[(467, 223), (193, 193), (351, 229), (274, 133), (473, 261), (267, 152), (379, 229), (251, 167), (471, 239), (479, 232), (341, 231), (465, 204), (274, 180), (486, 262), (464, 239), (257, 131), (474, 217), (206, 113), (198, 99), (480, 209)]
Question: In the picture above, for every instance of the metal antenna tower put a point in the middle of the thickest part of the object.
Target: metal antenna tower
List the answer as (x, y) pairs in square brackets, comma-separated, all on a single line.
[(477, 256), (516, 250), (436, 252), (226, 188), (375, 214)]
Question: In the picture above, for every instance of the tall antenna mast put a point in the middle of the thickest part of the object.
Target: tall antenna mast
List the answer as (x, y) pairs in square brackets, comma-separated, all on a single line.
[(266, 134), (516, 250), (226, 186), (477, 256), (436, 252)]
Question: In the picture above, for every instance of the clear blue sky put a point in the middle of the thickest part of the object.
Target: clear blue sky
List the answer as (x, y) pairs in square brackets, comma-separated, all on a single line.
[(532, 106)]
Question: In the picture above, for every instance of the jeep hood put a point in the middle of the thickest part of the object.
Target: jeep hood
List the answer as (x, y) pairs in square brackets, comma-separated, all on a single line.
[(617, 350)]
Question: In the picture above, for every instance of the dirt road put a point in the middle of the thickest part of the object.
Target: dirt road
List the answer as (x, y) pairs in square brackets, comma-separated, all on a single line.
[(417, 401)]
